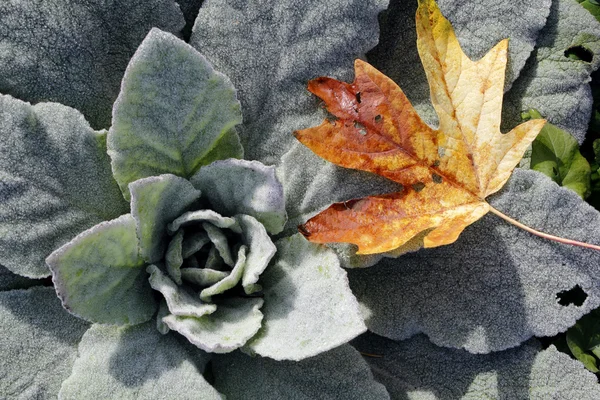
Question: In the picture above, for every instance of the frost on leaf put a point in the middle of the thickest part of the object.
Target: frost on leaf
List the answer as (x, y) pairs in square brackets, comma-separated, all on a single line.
[(446, 173)]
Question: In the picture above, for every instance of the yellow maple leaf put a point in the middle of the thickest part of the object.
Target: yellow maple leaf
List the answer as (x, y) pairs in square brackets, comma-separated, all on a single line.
[(446, 173)]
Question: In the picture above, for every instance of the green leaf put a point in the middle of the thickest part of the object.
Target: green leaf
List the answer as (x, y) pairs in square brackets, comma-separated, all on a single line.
[(244, 187), (179, 301), (555, 153), (309, 307), (260, 251), (583, 340), (136, 363), (174, 257), (339, 374), (235, 321), (417, 369), (155, 202), (199, 216), (219, 240), (203, 276), (555, 80), (55, 182), (596, 147), (75, 52), (174, 114), (593, 6), (231, 280), (39, 340), (99, 275)]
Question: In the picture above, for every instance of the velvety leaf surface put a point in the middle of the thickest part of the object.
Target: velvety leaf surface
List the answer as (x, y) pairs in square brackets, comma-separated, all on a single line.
[(179, 301), (231, 280), (99, 275), (235, 321), (552, 82), (340, 373), (136, 363), (55, 181), (243, 187), (174, 114), (174, 257), (156, 201), (75, 52), (479, 26), (39, 341), (417, 369), (198, 216), (309, 307), (497, 285), (270, 50), (260, 251), (10, 281)]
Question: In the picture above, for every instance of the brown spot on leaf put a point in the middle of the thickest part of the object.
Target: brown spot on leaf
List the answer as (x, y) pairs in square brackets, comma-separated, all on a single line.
[(437, 178), (417, 187)]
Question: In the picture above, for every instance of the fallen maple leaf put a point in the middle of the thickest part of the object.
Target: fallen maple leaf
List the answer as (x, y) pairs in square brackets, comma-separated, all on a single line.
[(446, 173)]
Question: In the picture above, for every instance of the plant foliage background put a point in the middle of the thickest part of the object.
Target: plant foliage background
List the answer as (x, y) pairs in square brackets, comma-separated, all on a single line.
[(83, 84)]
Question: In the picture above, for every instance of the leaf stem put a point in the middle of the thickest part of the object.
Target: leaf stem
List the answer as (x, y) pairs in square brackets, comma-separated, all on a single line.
[(371, 355), (542, 234)]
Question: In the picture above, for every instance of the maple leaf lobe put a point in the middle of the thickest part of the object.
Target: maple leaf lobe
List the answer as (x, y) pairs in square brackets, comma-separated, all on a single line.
[(446, 173)]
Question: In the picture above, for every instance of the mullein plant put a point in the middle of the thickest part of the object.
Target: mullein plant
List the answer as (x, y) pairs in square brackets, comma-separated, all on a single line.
[(193, 249), (166, 209)]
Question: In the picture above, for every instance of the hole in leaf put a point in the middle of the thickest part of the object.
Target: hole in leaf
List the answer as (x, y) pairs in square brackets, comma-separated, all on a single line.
[(417, 187), (361, 128), (436, 178), (378, 118), (554, 171), (579, 53), (436, 163), (358, 97), (575, 296), (441, 151)]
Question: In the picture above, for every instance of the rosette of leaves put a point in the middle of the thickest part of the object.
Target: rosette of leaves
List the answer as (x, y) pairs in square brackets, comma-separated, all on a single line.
[(191, 249)]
